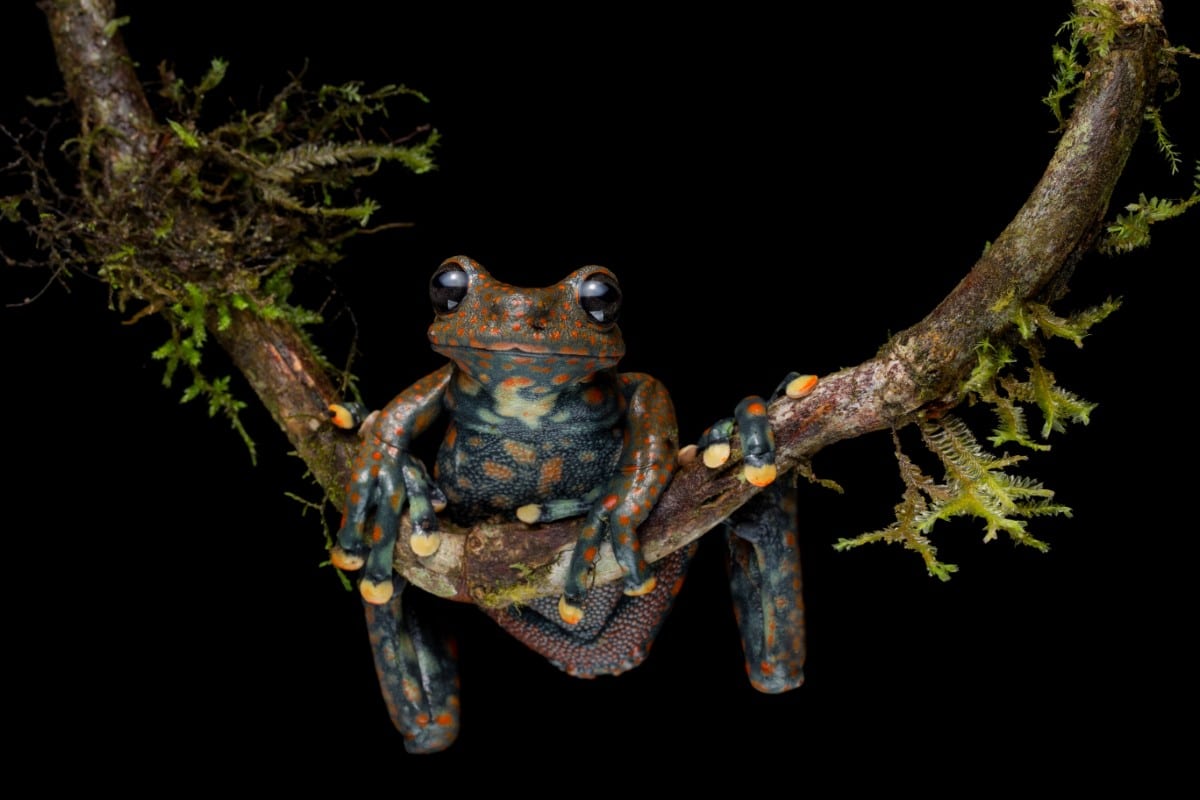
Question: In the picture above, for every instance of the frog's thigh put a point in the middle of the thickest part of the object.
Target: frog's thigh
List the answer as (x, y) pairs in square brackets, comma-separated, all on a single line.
[(417, 672), (764, 577), (616, 631)]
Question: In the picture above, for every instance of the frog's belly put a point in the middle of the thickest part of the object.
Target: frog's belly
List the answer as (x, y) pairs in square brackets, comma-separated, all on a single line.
[(482, 474)]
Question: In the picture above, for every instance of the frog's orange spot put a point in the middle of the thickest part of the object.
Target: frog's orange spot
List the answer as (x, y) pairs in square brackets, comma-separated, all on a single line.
[(376, 534), (766, 668), (757, 409), (623, 519), (789, 539), (677, 586), (521, 453), (422, 719), (354, 498), (451, 436), (796, 584), (375, 471), (550, 474), (497, 471), (377, 455), (623, 538), (445, 719), (610, 502), (589, 554)]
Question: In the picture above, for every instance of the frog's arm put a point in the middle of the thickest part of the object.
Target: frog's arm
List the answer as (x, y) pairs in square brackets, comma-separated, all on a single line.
[(648, 460), (383, 477)]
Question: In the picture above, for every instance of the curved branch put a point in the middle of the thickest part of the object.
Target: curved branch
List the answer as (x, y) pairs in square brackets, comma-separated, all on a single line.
[(495, 564), (921, 366)]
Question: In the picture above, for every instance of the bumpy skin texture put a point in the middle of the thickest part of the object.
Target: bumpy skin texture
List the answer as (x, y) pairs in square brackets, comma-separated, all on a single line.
[(541, 426)]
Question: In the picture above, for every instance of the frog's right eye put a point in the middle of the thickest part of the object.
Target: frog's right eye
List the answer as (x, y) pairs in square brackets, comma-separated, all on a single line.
[(448, 287)]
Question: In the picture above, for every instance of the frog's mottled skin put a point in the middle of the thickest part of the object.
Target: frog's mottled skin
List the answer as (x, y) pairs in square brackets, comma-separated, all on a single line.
[(541, 426)]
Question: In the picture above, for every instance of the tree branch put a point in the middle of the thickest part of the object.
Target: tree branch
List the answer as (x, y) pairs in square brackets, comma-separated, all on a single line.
[(920, 367), (924, 366), (273, 354)]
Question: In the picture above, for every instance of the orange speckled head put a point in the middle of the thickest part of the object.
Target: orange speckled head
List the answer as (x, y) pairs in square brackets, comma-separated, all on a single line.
[(495, 331)]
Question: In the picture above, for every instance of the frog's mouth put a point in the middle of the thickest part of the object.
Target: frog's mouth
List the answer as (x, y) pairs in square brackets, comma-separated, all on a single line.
[(515, 350), (525, 367)]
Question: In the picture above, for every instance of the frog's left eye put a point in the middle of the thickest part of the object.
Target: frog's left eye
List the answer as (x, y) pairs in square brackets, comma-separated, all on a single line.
[(600, 297), (448, 287)]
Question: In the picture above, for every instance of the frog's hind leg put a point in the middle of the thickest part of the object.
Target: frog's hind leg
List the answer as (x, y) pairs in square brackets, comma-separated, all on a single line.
[(418, 673), (764, 578), (616, 630)]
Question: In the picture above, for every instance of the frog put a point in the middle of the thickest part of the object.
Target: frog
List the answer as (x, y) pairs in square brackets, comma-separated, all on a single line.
[(540, 426)]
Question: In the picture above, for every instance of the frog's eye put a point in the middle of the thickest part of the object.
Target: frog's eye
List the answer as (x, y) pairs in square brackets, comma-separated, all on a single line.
[(600, 297), (448, 287)]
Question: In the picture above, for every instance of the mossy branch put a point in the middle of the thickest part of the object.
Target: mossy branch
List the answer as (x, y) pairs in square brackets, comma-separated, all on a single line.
[(923, 367)]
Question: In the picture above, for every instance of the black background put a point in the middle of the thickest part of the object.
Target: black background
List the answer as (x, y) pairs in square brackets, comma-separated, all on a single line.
[(775, 193)]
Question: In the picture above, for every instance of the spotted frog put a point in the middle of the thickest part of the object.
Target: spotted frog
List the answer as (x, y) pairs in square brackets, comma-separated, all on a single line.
[(542, 427)]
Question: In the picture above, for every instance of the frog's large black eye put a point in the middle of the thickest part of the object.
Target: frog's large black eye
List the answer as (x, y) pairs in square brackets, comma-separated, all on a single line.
[(448, 287), (600, 297)]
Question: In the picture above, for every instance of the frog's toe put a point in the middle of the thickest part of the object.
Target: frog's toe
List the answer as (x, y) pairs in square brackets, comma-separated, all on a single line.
[(347, 415), (716, 454), (425, 544), (645, 587), (759, 474), (530, 513), (345, 559), (796, 385), (569, 612), (714, 443), (376, 592)]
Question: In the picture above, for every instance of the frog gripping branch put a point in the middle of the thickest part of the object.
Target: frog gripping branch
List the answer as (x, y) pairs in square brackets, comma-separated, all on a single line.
[(542, 428), (602, 512)]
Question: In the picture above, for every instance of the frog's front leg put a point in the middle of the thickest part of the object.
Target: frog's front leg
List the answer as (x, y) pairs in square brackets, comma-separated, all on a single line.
[(385, 476), (764, 554), (648, 460)]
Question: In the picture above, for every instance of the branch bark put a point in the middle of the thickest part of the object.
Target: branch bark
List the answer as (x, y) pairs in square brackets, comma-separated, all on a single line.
[(923, 366)]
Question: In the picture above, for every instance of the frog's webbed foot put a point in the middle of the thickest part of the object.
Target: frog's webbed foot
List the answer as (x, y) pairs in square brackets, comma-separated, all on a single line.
[(382, 480), (417, 671), (764, 555)]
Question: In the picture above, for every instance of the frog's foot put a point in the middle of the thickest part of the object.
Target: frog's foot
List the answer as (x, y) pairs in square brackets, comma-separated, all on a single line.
[(417, 673), (758, 441), (614, 631), (620, 518), (376, 494)]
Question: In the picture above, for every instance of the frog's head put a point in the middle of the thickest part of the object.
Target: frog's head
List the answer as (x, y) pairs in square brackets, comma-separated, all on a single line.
[(552, 336)]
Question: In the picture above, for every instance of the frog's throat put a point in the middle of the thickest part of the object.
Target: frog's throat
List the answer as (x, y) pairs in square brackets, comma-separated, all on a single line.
[(524, 349)]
